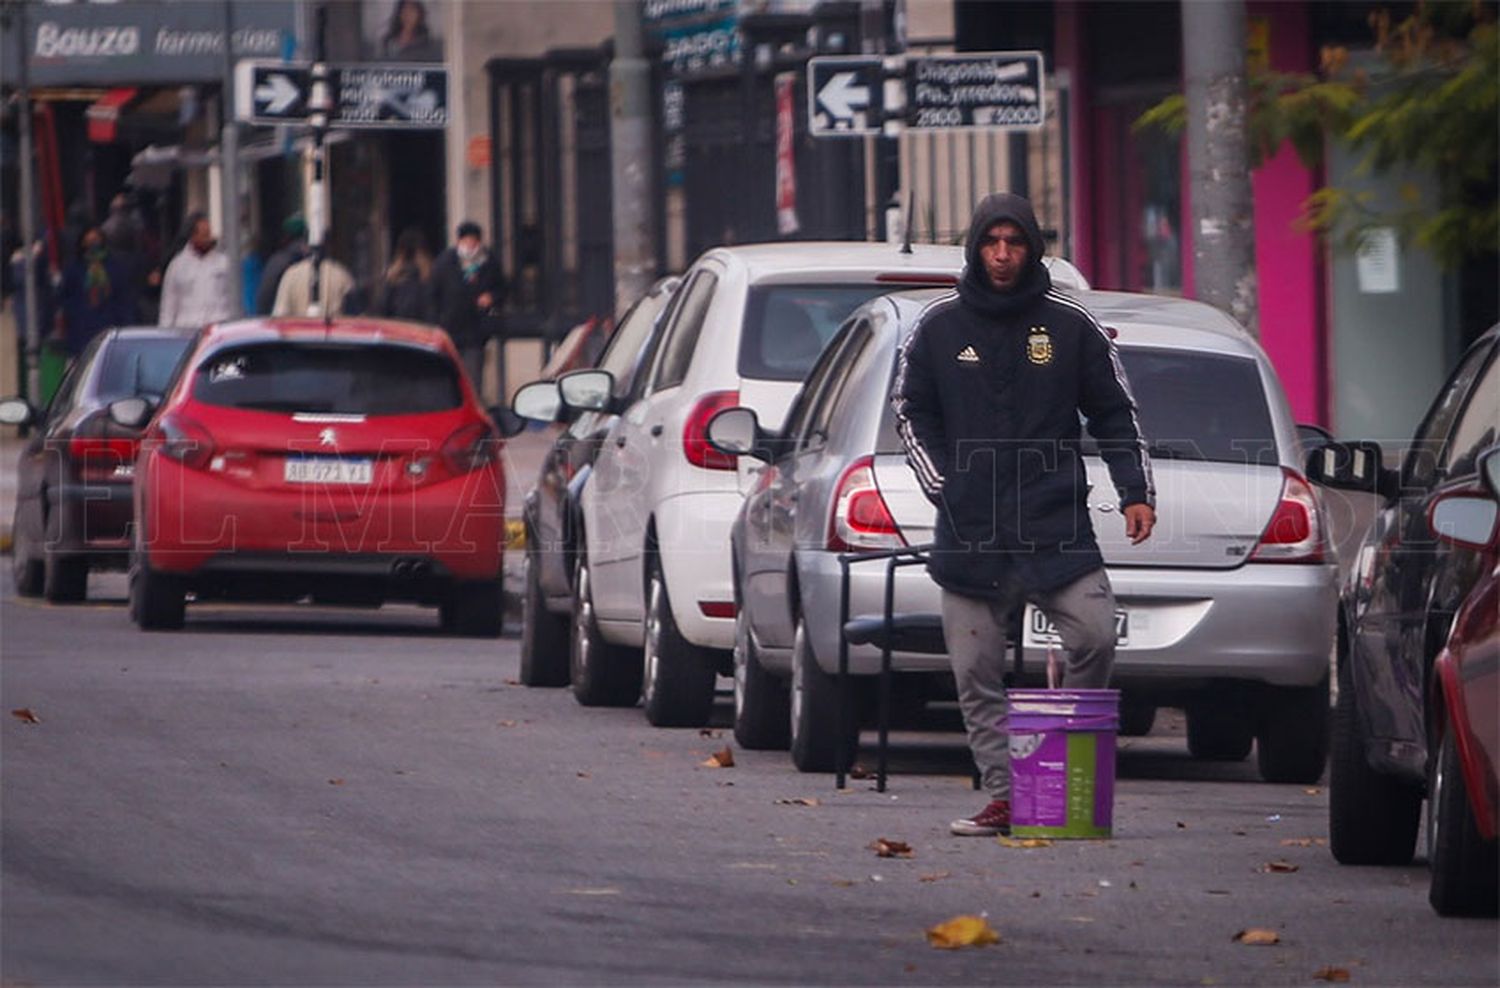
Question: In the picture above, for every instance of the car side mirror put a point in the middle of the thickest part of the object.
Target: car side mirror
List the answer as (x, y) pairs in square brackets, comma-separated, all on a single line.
[(16, 411), (131, 413), (1464, 518), (539, 401), (737, 432), (1489, 470), (587, 390), (1313, 436), (1353, 466), (507, 421)]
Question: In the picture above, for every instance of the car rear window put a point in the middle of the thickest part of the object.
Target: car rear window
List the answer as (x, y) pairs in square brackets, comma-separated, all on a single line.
[(357, 379), (1192, 406), (786, 326), (139, 366)]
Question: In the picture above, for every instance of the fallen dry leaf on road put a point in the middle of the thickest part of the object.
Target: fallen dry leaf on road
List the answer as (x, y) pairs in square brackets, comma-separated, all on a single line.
[(583, 775), (842, 883), (596, 891), (1305, 842), (720, 759), (860, 772), (886, 848), (1279, 867), (506, 723), (936, 876), (1313, 792), (962, 931), (1181, 825), (512, 682), (1025, 842), (25, 714), (1257, 937), (799, 801), (1331, 974), (709, 732), (335, 782)]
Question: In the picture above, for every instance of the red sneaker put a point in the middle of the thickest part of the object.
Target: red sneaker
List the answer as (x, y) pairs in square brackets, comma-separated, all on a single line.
[(992, 820)]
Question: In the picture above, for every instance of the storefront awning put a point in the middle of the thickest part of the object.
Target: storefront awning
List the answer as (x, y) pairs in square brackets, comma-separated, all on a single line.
[(104, 114)]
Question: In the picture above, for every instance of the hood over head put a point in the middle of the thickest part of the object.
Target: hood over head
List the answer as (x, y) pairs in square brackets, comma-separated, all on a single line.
[(975, 287)]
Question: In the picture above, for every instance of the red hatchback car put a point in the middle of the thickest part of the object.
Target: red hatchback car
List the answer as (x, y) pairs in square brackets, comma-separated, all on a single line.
[(347, 462)]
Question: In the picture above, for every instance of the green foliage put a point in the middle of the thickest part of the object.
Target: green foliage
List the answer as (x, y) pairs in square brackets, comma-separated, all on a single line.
[(1431, 106)]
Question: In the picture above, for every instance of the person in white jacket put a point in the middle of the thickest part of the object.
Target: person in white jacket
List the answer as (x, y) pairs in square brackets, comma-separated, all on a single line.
[(195, 290), (294, 295)]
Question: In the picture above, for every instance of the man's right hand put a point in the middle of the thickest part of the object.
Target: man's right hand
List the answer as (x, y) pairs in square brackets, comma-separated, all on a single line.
[(1140, 519)]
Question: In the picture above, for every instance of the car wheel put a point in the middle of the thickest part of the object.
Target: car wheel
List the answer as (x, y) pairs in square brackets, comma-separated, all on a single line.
[(1219, 730), (544, 635), (1372, 817), (1291, 737), (157, 600), (1136, 719), (678, 682), (762, 701), (65, 578), (815, 712), (25, 567), (604, 675), (474, 609), (1464, 864)]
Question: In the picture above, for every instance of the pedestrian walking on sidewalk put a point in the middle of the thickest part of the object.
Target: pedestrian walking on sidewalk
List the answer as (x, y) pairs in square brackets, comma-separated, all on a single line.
[(467, 286), (195, 289), (405, 291), (989, 388), (294, 295), (293, 249), (96, 293)]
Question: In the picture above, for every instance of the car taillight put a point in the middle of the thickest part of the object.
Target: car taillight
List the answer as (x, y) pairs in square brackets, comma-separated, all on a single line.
[(1295, 532), (98, 455), (471, 447), (185, 441), (861, 519), (695, 432)]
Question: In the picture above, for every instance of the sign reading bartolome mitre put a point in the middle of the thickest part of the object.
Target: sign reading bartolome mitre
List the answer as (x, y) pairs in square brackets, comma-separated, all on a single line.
[(89, 43)]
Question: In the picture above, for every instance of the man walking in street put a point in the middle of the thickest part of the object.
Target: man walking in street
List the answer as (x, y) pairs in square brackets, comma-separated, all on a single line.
[(294, 295), (195, 289), (467, 285), (989, 388)]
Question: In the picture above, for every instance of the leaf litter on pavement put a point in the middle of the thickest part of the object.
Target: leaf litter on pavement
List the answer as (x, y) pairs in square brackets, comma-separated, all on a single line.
[(884, 847), (1257, 937), (25, 715), (720, 759), (1333, 974), (962, 931), (1023, 842)]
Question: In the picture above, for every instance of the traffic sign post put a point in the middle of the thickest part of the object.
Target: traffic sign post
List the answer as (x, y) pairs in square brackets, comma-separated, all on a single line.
[(844, 95), (401, 96)]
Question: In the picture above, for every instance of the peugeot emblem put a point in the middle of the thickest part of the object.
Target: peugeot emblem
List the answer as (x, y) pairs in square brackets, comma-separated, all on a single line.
[(328, 437)]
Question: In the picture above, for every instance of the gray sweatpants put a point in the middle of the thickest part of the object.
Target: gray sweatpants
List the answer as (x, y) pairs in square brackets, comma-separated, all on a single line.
[(1084, 612)]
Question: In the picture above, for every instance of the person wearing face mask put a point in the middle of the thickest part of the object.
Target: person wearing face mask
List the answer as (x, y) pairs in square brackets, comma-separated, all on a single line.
[(466, 286), (195, 289), (95, 292)]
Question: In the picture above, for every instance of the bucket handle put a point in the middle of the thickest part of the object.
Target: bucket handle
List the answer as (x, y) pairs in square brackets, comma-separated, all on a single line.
[(1100, 723)]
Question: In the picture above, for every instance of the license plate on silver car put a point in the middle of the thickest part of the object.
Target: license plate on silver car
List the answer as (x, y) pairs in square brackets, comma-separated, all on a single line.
[(1041, 631), (329, 470)]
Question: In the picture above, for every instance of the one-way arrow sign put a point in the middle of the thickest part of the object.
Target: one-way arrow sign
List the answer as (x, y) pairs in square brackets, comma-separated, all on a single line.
[(844, 95), (271, 93)]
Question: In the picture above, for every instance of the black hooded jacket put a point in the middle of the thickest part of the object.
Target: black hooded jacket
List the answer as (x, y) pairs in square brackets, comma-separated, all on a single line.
[(988, 392)]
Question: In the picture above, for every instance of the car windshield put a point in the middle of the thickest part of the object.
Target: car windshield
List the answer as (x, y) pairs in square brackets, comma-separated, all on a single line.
[(786, 326), (348, 379), (132, 366), (1192, 406)]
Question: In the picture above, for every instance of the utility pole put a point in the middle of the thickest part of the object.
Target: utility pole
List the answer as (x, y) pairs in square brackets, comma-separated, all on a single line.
[(631, 157), (1223, 231), (320, 103), (33, 328), (229, 167)]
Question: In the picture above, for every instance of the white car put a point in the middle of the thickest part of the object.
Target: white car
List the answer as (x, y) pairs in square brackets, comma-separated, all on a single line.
[(654, 605)]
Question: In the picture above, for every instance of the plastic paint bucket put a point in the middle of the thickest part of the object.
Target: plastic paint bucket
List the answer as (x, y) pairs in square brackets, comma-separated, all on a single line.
[(1062, 762)]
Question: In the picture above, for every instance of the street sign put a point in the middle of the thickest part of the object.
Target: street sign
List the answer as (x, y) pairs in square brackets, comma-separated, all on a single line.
[(395, 95), (844, 95), (271, 93), (385, 95), (996, 89)]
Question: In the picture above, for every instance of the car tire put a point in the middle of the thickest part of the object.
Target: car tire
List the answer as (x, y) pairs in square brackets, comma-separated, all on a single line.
[(815, 712), (1464, 865), (1136, 719), (762, 700), (1219, 730), (678, 680), (473, 609), (1291, 734), (26, 569), (544, 635), (603, 674), (157, 600), (65, 578), (1372, 817)]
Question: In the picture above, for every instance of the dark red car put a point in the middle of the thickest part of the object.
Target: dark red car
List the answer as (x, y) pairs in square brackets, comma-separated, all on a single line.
[(349, 463), (1463, 791)]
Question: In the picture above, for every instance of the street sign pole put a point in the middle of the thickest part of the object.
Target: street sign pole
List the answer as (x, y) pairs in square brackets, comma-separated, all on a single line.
[(229, 168), (319, 103)]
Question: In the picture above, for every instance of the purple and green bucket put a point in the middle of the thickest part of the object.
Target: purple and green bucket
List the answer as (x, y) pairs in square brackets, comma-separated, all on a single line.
[(1062, 762)]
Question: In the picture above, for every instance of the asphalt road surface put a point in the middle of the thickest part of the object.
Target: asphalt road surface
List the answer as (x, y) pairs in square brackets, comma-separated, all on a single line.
[(298, 796)]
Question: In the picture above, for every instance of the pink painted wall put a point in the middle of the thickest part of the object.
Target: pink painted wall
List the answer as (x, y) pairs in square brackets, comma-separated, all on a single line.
[(1289, 263)]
